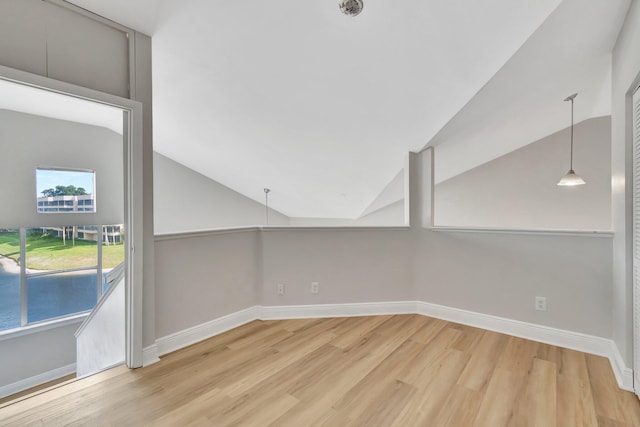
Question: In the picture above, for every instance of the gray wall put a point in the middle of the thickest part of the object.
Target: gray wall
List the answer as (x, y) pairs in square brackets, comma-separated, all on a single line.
[(185, 200), (518, 190), (31, 141), (626, 69), (46, 39), (390, 215), (350, 266), (29, 355), (141, 91), (501, 274), (493, 273), (203, 277)]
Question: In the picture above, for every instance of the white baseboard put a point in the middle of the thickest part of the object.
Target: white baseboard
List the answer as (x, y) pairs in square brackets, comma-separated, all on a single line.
[(335, 310), (531, 331), (624, 375), (206, 330), (36, 380), (545, 334), (150, 355)]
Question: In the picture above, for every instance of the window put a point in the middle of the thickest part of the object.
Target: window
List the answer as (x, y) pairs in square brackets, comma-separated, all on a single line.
[(62, 273), (65, 190)]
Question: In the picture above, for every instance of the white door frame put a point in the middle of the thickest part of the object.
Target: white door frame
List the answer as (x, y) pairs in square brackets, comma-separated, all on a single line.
[(635, 135), (132, 143)]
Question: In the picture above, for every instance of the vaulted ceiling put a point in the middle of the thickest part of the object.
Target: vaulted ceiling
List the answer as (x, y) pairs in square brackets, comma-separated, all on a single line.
[(323, 108)]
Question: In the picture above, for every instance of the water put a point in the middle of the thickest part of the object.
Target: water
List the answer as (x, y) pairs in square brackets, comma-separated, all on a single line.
[(9, 299), (47, 296)]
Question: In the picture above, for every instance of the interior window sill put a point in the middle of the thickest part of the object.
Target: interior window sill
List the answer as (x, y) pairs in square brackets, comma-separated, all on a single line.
[(540, 232), (43, 326)]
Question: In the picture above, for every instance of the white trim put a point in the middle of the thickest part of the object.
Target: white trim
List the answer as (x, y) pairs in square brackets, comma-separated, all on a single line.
[(544, 334), (42, 326), (106, 368), (243, 229), (572, 233), (623, 374), (36, 380), (150, 355), (335, 310), (202, 233), (225, 230), (206, 330), (635, 235), (335, 228)]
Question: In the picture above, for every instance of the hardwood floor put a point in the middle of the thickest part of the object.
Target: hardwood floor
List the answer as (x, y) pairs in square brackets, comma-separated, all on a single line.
[(405, 370), (38, 388)]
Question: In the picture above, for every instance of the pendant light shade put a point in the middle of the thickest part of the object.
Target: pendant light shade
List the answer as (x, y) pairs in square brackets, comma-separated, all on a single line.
[(571, 179)]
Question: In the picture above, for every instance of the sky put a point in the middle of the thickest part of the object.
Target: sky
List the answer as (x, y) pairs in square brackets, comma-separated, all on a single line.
[(49, 178)]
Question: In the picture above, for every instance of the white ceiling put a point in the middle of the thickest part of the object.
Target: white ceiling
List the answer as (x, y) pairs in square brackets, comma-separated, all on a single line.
[(31, 100), (322, 108)]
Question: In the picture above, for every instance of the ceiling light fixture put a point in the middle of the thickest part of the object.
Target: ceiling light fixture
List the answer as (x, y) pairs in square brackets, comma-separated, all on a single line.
[(351, 7), (571, 179)]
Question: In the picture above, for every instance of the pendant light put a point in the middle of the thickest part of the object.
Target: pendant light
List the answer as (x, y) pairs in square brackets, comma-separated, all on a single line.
[(571, 179)]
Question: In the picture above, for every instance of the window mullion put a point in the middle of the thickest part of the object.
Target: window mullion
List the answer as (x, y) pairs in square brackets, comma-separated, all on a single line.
[(23, 277), (99, 268)]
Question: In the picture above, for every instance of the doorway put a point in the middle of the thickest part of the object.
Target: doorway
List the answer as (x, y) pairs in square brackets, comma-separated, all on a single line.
[(74, 224)]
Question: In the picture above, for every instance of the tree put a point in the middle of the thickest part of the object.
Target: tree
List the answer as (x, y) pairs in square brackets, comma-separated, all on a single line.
[(64, 190)]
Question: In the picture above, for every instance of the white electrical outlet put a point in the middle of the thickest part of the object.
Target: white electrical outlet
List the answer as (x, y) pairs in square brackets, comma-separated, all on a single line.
[(280, 288), (541, 303), (315, 287)]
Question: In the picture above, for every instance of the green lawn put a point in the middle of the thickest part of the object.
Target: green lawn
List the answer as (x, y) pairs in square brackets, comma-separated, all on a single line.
[(49, 253)]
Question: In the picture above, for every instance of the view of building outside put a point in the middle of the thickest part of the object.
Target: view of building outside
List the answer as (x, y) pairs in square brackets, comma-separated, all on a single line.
[(57, 204), (63, 190)]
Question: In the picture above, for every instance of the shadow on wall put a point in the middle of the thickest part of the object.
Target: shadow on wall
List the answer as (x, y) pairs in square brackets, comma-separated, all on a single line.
[(185, 201), (519, 191)]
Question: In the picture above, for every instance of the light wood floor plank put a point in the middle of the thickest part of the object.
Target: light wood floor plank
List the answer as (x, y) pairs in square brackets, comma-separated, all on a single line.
[(403, 371), (385, 405), (430, 330), (536, 406), (518, 355), (460, 409), (353, 330), (434, 392), (497, 408), (431, 357), (575, 407), (482, 363)]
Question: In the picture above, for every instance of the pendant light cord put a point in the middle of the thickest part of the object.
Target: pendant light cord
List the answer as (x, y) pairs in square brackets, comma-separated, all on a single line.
[(571, 98), (571, 163)]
